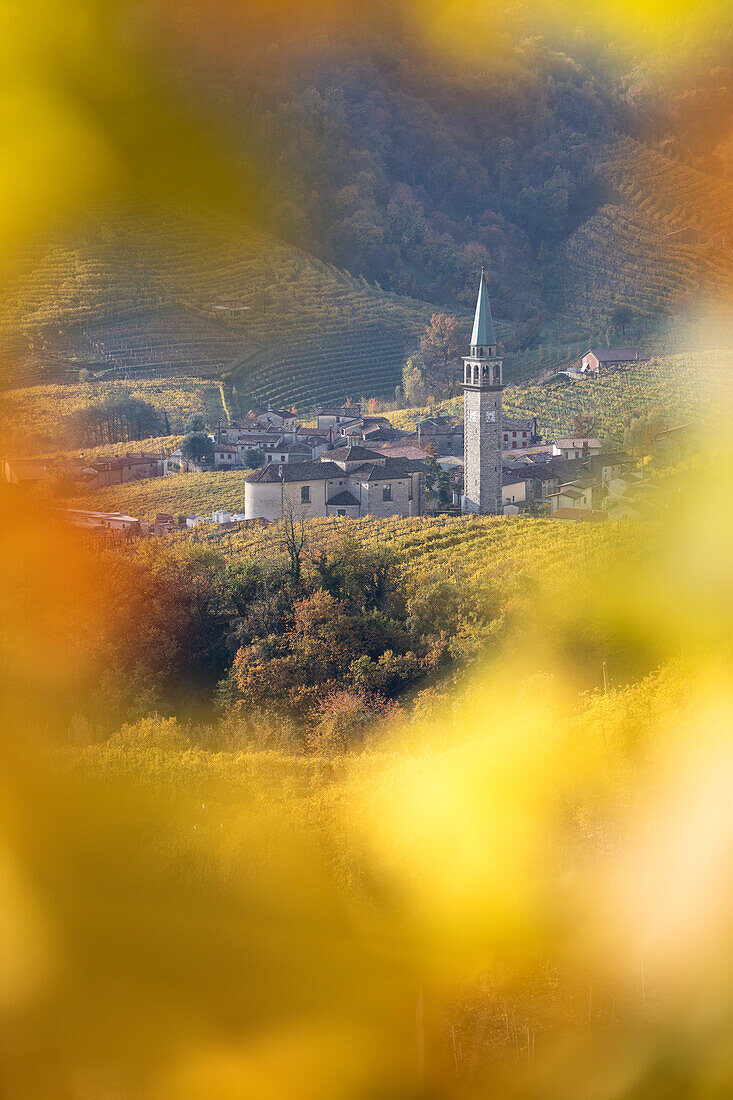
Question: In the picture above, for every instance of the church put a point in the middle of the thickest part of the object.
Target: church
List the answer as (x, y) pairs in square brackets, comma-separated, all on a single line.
[(482, 388)]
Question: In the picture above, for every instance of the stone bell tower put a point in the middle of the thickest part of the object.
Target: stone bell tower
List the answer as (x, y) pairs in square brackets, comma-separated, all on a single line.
[(482, 386)]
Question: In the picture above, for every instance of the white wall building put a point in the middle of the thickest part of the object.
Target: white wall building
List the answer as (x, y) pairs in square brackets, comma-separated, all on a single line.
[(351, 481)]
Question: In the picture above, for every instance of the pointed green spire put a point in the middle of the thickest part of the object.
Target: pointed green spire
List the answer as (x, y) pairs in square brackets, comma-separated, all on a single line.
[(483, 324)]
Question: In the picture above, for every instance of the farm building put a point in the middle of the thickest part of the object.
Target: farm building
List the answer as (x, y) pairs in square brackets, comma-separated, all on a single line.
[(597, 360), (102, 521)]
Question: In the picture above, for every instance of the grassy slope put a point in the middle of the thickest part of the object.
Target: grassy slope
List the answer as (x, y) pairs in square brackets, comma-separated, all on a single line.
[(189, 494), (314, 333), (33, 418)]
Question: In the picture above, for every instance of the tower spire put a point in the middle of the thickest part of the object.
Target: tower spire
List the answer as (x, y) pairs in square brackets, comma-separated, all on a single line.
[(483, 323)]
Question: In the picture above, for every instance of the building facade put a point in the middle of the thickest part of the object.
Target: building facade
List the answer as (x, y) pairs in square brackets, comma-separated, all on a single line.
[(352, 481), (482, 389)]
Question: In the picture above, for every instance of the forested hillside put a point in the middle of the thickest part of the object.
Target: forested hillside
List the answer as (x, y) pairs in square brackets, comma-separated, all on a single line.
[(368, 177)]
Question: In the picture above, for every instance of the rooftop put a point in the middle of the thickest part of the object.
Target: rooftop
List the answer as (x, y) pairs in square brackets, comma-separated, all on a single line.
[(385, 469), (353, 454), (618, 355), (574, 441), (483, 324)]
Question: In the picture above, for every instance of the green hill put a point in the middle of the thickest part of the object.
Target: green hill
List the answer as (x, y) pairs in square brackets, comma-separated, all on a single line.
[(155, 296)]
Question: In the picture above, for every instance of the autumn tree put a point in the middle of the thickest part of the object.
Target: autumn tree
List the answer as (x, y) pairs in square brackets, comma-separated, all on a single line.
[(583, 425), (441, 347)]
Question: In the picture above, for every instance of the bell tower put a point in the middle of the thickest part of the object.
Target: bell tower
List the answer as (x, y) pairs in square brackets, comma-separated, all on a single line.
[(482, 387)]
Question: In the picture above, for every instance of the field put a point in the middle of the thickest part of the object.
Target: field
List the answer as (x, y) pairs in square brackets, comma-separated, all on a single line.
[(180, 494), (33, 419)]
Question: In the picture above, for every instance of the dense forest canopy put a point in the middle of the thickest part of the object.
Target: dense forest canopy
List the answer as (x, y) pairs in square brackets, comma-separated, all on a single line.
[(413, 147)]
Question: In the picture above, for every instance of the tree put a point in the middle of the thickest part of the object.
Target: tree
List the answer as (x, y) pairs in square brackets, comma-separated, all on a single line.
[(413, 382), (643, 430), (294, 539), (195, 424), (116, 420), (342, 718), (583, 425), (197, 447), (441, 348), (623, 316)]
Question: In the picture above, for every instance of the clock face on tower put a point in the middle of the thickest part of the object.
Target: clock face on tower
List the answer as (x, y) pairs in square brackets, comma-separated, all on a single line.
[(491, 416)]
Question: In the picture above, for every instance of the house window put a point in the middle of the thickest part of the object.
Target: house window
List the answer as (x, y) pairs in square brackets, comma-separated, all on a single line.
[(341, 512), (387, 492), (269, 458), (305, 494)]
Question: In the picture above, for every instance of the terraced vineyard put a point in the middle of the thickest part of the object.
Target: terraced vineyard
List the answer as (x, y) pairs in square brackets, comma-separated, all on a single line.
[(623, 255), (160, 295), (371, 358), (669, 193), (685, 388)]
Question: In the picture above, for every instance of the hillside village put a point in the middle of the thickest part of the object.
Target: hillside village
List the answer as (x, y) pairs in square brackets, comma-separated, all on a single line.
[(349, 463)]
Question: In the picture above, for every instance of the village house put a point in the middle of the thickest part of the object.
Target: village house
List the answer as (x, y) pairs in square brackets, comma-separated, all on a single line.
[(26, 471), (519, 434), (225, 455), (517, 492), (575, 494), (333, 418), (369, 430), (607, 465), (597, 360), (676, 444), (98, 473), (576, 447), (91, 473), (351, 481), (443, 434), (280, 419), (581, 515)]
